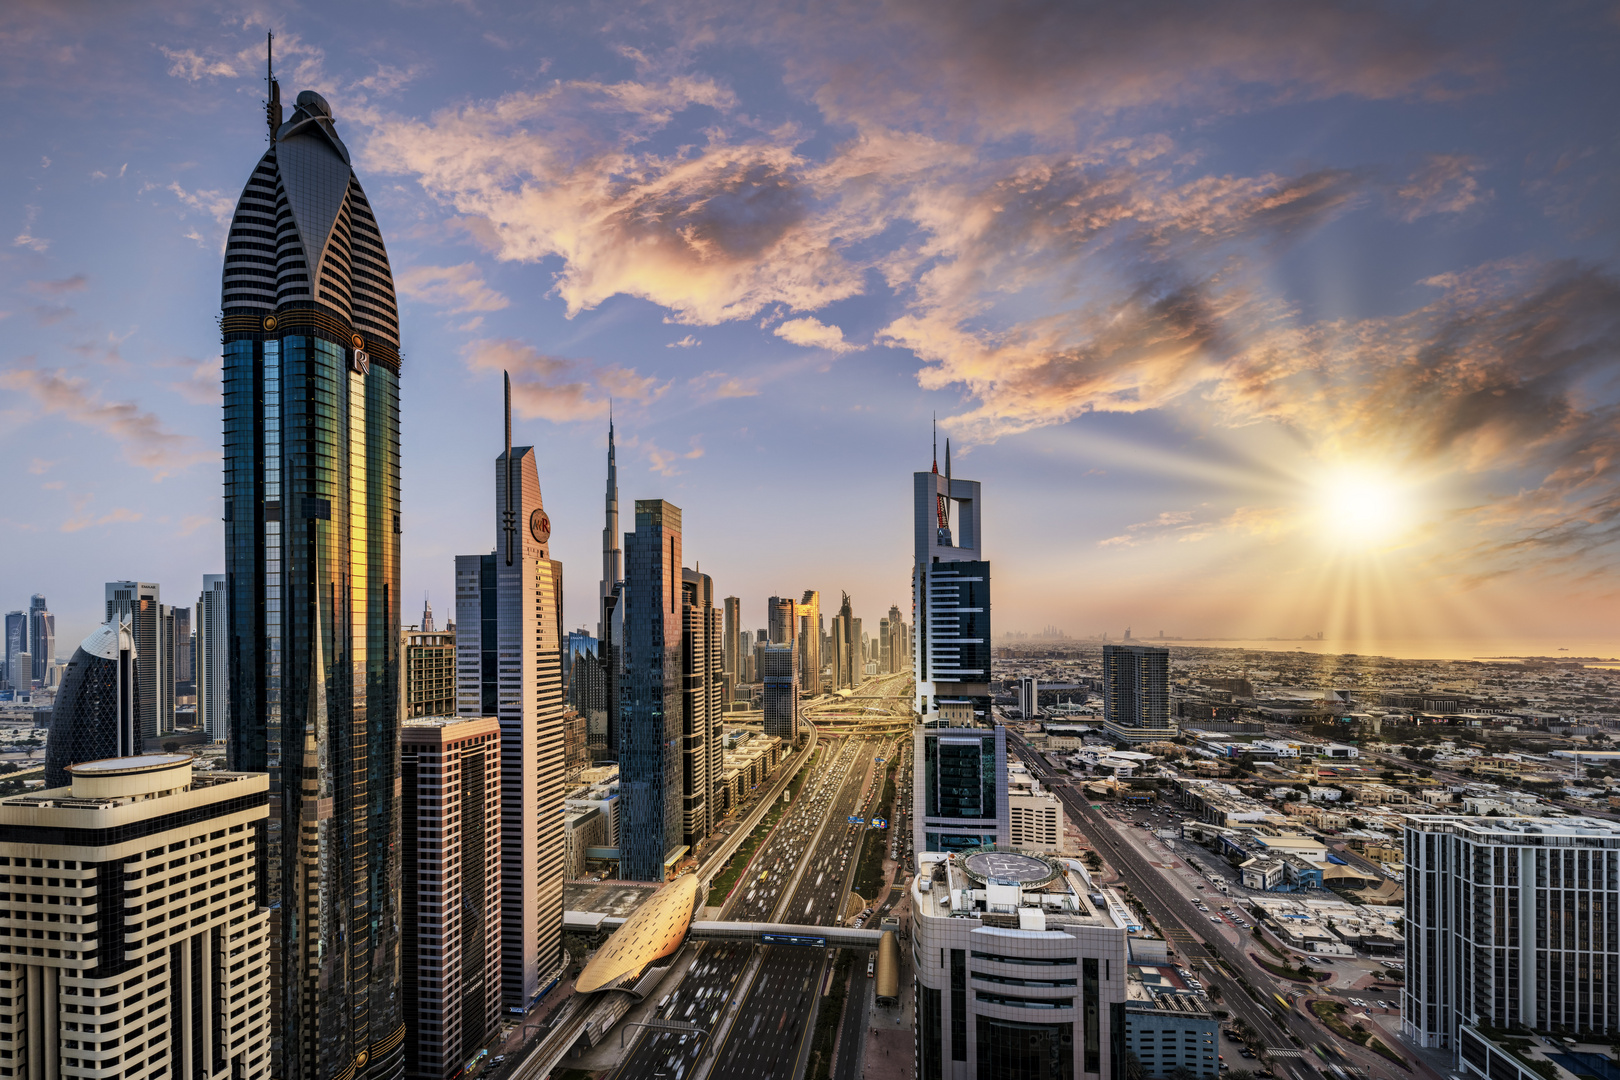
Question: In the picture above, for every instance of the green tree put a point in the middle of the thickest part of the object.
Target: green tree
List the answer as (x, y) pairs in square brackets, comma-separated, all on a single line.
[(1133, 1066)]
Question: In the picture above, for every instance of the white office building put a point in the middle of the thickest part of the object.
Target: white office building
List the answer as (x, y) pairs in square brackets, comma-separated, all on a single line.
[(1017, 972)]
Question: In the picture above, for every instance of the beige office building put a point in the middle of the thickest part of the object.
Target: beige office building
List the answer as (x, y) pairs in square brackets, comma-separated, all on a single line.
[(430, 672), (133, 926), (450, 809)]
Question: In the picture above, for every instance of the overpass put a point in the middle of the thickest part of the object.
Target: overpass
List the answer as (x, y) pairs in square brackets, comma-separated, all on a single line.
[(828, 937)]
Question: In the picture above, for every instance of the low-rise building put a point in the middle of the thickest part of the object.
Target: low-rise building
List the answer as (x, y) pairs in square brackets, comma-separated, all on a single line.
[(1166, 1030)]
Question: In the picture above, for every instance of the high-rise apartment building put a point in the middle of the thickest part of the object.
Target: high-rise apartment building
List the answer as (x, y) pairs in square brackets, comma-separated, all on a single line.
[(312, 563), (650, 714), (509, 645), (138, 945), (897, 642), (428, 659), (731, 640), (95, 715), (1018, 973), (780, 675), (950, 598), (702, 707), (1136, 693), (959, 796), (213, 658), (1511, 924), (41, 638), (450, 830), (139, 603)]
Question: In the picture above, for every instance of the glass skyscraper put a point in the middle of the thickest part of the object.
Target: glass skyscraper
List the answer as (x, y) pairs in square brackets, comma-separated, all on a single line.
[(311, 373)]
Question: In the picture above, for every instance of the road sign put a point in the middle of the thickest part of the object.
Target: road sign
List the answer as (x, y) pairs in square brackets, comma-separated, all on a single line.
[(793, 939)]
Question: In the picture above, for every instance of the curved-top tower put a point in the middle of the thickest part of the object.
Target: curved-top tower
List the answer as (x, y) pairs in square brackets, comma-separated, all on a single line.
[(94, 716), (311, 371)]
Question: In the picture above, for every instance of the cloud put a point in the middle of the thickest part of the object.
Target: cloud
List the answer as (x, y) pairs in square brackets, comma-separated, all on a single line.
[(554, 388), (717, 385), (1048, 67), (26, 238), (215, 204), (1445, 184), (76, 283), (667, 462), (812, 333), (202, 383), (145, 440), (686, 342), (711, 232), (188, 64), (39, 466), (460, 288), (118, 516)]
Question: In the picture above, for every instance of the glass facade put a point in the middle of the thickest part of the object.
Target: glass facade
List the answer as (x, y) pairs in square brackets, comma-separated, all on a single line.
[(929, 1046), (650, 694), (958, 1005), (94, 717), (1014, 1050), (1091, 1014)]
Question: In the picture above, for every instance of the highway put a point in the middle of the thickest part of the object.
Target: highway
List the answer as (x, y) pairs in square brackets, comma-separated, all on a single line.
[(770, 1035), (762, 895), (1172, 910)]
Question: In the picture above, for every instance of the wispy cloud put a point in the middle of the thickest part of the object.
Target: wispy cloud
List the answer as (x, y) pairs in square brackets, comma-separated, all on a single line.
[(686, 342), (191, 66), (557, 388), (459, 288), (146, 441), (717, 385), (1445, 184), (76, 283), (26, 237)]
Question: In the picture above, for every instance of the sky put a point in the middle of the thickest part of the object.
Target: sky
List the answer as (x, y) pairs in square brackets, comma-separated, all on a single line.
[(1253, 318)]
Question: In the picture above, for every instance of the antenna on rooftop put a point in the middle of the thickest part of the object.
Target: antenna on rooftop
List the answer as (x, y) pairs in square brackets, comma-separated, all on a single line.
[(272, 106), (510, 525)]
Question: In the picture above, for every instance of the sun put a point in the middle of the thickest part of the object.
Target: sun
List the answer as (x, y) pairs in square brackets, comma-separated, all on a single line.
[(1363, 507)]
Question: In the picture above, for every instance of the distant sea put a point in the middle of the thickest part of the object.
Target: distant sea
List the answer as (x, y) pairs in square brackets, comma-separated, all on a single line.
[(1598, 653)]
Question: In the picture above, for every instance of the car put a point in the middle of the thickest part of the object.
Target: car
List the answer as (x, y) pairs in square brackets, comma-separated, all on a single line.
[(1382, 1004), (1215, 918), (1246, 1052)]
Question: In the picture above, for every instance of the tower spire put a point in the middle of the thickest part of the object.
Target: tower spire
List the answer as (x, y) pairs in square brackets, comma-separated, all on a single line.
[(509, 526), (936, 444), (272, 106)]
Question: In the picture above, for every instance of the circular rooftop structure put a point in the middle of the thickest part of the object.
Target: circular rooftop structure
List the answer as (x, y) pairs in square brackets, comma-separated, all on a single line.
[(124, 766), (999, 864)]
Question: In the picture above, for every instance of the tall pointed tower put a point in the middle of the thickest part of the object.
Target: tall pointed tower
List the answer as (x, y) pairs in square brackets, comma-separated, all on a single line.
[(612, 558), (312, 528), (509, 649)]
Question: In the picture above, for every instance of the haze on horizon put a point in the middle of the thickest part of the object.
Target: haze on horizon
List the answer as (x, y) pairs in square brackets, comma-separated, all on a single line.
[(1252, 318)]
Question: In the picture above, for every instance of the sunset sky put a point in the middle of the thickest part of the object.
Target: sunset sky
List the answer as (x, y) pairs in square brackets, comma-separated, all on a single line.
[(1253, 318)]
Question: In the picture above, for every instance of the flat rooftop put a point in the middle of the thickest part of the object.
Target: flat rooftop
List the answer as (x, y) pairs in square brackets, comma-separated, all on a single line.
[(614, 898)]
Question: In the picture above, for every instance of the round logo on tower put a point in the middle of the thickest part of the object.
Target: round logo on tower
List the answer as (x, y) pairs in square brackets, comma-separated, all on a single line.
[(540, 526), (358, 342), (269, 322)]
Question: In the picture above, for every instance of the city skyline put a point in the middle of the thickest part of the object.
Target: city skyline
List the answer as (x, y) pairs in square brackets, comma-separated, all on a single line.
[(1253, 450)]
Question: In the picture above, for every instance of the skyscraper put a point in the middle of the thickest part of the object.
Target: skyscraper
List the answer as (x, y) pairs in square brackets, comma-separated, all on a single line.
[(41, 638), (950, 598), (451, 831), (184, 680), (213, 658), (732, 641), (960, 797), (95, 714), (16, 630), (612, 558), (509, 645), (178, 966), (1136, 693), (781, 616), (139, 603), (650, 712), (781, 692), (702, 748), (312, 561), (808, 612), (428, 626)]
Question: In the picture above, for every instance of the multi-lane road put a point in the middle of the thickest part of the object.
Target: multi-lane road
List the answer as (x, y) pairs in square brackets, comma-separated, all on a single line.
[(753, 1005), (1173, 910)]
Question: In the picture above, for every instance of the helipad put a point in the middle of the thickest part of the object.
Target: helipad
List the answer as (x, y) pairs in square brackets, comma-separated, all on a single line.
[(1026, 870)]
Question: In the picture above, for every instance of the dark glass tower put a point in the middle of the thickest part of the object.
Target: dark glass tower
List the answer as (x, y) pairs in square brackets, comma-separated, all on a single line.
[(94, 716), (311, 343)]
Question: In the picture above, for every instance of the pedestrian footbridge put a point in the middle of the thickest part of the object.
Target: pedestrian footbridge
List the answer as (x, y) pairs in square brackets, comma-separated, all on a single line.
[(823, 937)]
